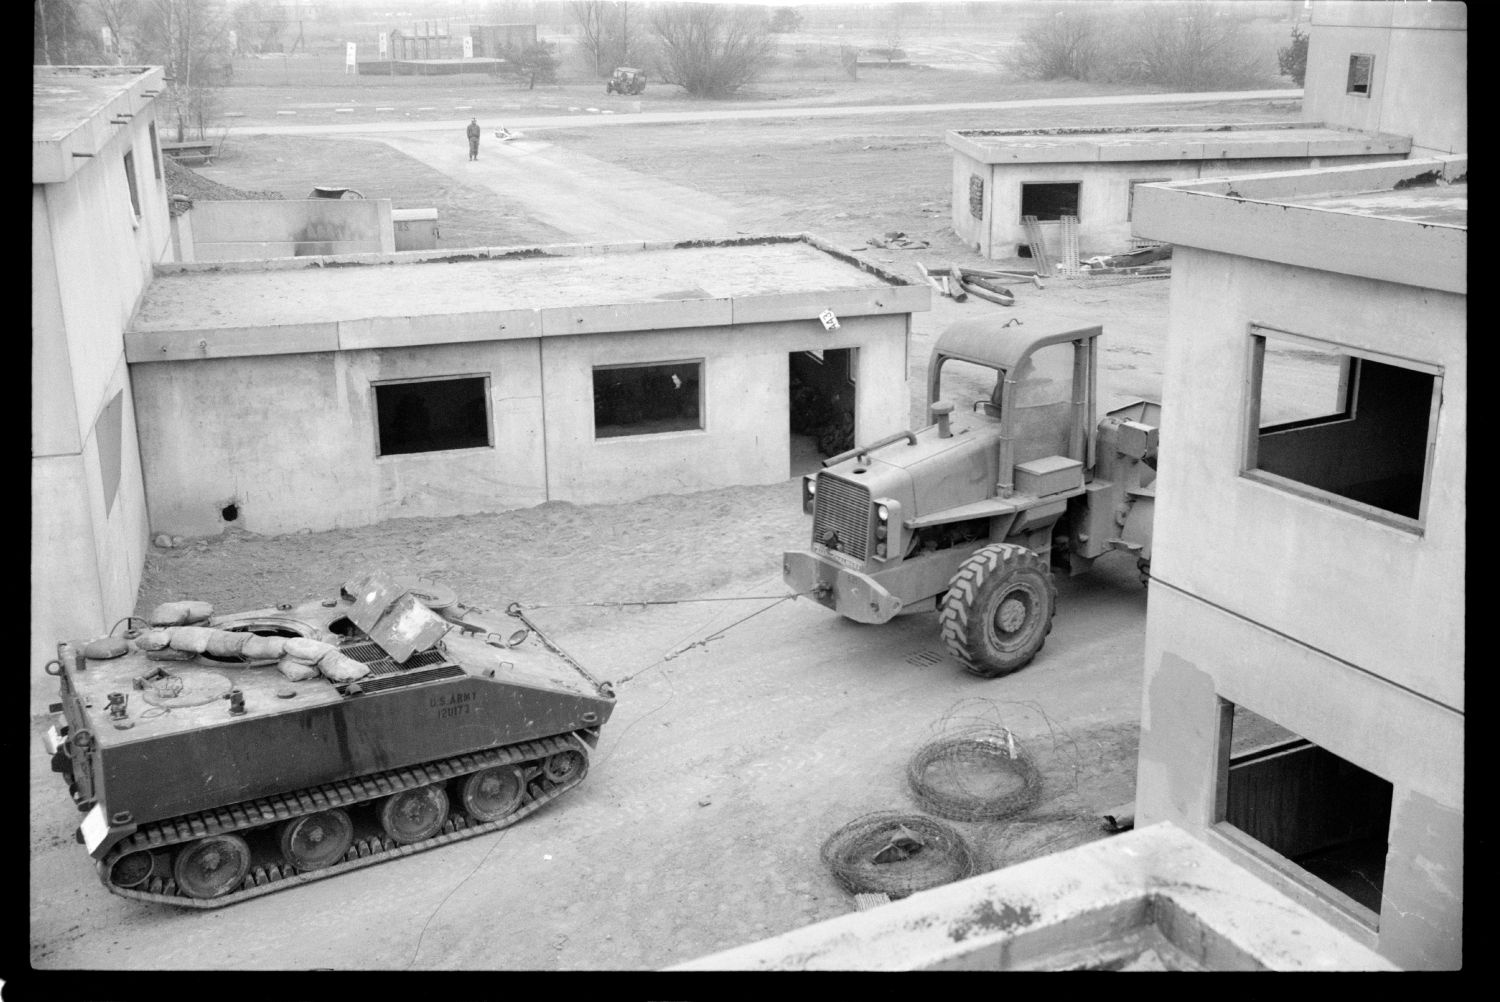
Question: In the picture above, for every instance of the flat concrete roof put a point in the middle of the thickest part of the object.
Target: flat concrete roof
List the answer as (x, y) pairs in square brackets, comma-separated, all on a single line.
[(426, 297), (75, 110), (1082, 908), (1404, 222), (1429, 203), (1171, 142)]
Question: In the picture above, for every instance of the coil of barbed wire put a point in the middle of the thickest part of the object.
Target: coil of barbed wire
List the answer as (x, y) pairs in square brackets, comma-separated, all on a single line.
[(896, 854), (978, 774)]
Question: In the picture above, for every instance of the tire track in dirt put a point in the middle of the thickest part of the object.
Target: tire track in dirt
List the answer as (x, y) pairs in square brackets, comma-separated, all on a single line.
[(573, 192)]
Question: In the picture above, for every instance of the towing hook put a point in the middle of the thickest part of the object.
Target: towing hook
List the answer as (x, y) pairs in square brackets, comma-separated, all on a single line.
[(822, 589)]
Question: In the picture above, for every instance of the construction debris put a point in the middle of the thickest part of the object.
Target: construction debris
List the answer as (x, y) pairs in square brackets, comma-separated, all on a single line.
[(896, 240)]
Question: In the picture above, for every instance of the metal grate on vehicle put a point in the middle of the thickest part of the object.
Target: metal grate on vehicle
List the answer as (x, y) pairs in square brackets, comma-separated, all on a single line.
[(841, 515), (369, 653)]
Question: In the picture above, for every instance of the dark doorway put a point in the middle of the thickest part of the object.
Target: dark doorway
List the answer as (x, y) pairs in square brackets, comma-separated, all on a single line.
[(821, 394)]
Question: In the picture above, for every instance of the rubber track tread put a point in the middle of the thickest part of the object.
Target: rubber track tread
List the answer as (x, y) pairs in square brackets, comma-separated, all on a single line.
[(364, 852)]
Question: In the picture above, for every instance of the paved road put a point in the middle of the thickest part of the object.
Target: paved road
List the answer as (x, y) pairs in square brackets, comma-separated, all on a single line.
[(589, 121)]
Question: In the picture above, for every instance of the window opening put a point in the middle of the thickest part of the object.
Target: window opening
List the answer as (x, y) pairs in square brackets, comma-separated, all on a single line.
[(821, 399), (1361, 74), (155, 152), (1343, 426), (1050, 200), (648, 399), (1316, 817), (432, 415), (135, 198), (976, 196)]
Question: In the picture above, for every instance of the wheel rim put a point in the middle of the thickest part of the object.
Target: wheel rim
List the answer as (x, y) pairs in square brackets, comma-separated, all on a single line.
[(1015, 620), (317, 840), (493, 793), (132, 869), (212, 867), (413, 815), (563, 766)]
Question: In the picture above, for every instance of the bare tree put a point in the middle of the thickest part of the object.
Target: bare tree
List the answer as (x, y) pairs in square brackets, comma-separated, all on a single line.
[(708, 49), (190, 39), (611, 34), (591, 17), (1065, 43), (60, 34), (119, 16), (1185, 46)]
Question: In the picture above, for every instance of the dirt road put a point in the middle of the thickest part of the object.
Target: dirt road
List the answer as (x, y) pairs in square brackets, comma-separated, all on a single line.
[(580, 195)]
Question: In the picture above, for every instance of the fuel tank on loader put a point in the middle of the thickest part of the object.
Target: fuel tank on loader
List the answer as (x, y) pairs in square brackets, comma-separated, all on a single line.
[(218, 758)]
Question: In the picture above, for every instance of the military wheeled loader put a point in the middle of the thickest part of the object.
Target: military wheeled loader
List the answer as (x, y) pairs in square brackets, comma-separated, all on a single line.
[(969, 514)]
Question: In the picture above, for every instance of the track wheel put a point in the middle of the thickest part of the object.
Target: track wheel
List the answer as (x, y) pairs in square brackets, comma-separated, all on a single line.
[(133, 869), (998, 609), (314, 841), (212, 867), (491, 794), (414, 815), (563, 766)]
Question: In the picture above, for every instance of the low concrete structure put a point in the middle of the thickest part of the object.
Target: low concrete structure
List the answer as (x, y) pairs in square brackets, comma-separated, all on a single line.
[(328, 392), (1156, 899), (253, 229), (1309, 564), (98, 224), (1092, 174), (416, 229), (1393, 67)]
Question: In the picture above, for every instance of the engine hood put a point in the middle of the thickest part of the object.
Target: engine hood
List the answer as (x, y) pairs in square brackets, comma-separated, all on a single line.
[(933, 474)]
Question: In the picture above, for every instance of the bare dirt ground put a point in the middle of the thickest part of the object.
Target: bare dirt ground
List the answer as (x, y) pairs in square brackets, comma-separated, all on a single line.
[(726, 764)]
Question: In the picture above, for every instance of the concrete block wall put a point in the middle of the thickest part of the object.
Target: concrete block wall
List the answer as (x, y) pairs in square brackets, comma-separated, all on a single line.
[(1104, 207), (91, 259), (253, 228), (1343, 629), (1420, 84), (290, 439)]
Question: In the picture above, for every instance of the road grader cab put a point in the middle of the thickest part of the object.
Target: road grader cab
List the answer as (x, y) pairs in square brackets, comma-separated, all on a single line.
[(969, 514)]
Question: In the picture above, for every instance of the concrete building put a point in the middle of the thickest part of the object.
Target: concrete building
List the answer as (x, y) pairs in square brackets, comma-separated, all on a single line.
[(1392, 67), (333, 392), (1310, 541), (98, 225), (1353, 111), (1092, 174)]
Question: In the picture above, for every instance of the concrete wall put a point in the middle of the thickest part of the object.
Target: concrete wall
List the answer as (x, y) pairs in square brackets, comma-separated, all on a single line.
[(253, 229), (291, 440), (1104, 225), (1420, 86), (91, 258), (1345, 629), (745, 438)]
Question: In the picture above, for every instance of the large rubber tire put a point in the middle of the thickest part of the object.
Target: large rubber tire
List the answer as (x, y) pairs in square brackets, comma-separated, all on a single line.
[(998, 609)]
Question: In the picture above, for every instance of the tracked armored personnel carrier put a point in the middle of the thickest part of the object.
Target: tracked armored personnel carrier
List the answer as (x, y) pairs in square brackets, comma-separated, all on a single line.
[(224, 758)]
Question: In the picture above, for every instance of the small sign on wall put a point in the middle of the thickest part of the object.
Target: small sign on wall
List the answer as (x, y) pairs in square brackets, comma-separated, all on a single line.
[(830, 322), (384, 44), (349, 61), (468, 47)]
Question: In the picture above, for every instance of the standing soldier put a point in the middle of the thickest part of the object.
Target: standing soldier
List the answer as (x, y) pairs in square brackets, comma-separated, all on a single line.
[(473, 139)]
